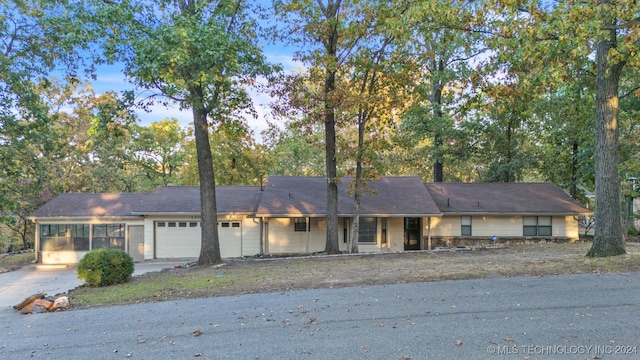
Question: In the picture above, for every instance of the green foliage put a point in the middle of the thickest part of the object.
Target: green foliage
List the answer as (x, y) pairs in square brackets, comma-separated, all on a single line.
[(102, 267)]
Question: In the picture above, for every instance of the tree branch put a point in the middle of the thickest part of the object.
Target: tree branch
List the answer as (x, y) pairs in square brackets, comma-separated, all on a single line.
[(627, 25)]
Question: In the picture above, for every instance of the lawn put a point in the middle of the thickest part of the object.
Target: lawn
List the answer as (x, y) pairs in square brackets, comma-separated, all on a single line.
[(244, 276), (14, 261)]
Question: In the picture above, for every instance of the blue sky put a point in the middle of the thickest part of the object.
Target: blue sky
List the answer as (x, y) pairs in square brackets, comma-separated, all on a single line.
[(111, 78)]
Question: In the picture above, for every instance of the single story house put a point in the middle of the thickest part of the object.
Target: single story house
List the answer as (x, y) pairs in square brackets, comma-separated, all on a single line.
[(288, 215), (472, 211)]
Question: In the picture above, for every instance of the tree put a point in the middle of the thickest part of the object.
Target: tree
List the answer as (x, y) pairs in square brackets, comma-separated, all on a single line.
[(200, 55), (549, 39), (294, 151), (159, 149), (320, 25), (37, 38), (439, 50)]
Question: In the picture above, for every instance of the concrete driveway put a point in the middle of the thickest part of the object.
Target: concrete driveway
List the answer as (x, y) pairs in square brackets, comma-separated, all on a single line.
[(17, 285)]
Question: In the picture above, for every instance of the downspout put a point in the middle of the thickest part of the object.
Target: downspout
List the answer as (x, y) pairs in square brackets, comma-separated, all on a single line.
[(266, 235), (308, 228), (429, 233), (261, 235)]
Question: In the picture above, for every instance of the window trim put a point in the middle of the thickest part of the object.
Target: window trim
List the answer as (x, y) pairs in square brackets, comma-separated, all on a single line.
[(464, 226), (301, 224), (374, 222), (542, 230)]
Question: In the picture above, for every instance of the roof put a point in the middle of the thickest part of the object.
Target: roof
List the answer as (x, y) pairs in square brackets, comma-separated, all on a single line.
[(162, 200), (186, 200), (90, 205), (504, 198), (286, 196), (307, 196)]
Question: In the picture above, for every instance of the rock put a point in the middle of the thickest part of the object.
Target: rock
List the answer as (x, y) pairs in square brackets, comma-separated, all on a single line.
[(61, 303), (29, 300), (37, 306)]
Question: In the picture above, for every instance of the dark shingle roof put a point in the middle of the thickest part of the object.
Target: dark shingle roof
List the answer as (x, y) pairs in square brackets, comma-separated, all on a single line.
[(307, 196), (503, 198), (162, 200), (90, 205), (186, 199)]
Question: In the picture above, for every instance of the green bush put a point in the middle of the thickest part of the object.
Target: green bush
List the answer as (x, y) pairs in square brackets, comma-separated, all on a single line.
[(102, 267)]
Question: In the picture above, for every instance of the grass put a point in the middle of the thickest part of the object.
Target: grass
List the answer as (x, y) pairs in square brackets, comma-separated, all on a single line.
[(15, 261), (276, 275)]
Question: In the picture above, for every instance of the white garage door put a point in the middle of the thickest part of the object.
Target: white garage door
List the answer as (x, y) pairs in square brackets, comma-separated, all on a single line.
[(176, 239), (230, 234)]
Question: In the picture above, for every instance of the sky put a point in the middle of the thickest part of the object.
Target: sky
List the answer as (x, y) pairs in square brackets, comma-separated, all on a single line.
[(111, 78)]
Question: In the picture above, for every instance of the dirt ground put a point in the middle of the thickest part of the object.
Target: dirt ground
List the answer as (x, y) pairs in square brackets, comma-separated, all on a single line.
[(251, 275)]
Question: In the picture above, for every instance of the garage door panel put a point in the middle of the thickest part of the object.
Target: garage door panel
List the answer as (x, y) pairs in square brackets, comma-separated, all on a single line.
[(176, 241), (230, 235)]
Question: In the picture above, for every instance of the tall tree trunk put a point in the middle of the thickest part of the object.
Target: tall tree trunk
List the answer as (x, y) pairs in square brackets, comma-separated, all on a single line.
[(436, 100), (355, 227), (332, 246), (608, 238), (438, 168), (331, 46), (210, 246)]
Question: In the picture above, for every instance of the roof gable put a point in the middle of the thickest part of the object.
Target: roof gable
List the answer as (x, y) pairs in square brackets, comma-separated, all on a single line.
[(504, 198)]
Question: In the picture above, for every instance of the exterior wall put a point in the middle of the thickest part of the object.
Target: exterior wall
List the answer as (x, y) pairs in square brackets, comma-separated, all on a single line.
[(395, 235), (282, 239), (501, 226), (73, 257), (443, 226), (565, 227), (251, 237), (486, 226)]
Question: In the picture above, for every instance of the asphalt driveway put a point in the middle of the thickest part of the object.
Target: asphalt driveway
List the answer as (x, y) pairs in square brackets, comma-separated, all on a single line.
[(17, 285), (547, 317)]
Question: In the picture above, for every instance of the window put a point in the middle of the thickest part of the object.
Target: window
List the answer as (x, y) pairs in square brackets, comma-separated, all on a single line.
[(171, 224), (300, 224), (536, 226), (57, 237), (465, 229), (193, 224), (368, 230), (225, 224), (160, 224), (182, 224), (108, 236), (235, 225)]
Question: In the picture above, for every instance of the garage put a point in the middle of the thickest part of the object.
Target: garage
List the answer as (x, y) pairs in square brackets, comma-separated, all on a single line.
[(181, 239)]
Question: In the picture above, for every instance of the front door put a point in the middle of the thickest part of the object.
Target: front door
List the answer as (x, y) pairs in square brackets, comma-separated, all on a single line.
[(411, 234)]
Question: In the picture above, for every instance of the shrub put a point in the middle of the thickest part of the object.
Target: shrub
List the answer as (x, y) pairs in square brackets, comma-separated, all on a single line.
[(102, 267)]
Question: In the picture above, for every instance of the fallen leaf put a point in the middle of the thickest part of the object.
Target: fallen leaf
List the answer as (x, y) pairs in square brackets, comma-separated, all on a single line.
[(196, 333), (458, 342), (197, 354), (508, 339)]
